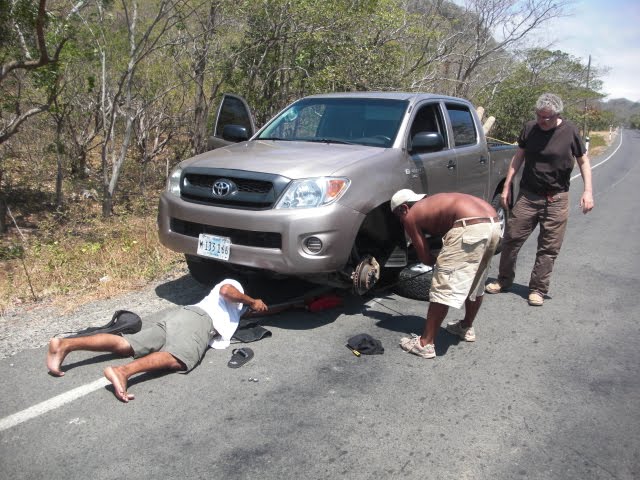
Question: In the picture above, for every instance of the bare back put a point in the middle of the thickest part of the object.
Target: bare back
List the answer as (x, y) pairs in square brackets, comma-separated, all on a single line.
[(436, 214)]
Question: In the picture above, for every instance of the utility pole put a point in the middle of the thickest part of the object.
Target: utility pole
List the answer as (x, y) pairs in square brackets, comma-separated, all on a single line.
[(584, 124)]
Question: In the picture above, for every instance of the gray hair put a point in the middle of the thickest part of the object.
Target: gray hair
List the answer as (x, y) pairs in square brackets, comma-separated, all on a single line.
[(549, 101)]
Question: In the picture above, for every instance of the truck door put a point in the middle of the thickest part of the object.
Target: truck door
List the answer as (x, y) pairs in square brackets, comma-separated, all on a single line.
[(430, 171), (472, 156), (233, 110)]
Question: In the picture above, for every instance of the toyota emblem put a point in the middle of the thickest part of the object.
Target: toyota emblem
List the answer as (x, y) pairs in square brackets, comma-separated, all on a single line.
[(224, 188)]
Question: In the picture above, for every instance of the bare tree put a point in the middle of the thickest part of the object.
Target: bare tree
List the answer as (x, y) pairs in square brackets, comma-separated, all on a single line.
[(461, 42), (206, 51), (118, 105), (155, 127)]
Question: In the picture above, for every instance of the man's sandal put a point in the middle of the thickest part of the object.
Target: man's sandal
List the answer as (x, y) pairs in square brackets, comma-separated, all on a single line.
[(239, 357)]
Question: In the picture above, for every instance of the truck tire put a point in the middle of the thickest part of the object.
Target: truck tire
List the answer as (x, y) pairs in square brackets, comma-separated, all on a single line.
[(206, 272), (415, 282)]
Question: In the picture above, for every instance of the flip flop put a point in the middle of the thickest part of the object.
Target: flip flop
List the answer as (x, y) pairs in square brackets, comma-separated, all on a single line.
[(239, 357)]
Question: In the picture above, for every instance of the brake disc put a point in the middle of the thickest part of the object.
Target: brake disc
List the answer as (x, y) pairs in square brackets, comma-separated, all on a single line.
[(365, 275)]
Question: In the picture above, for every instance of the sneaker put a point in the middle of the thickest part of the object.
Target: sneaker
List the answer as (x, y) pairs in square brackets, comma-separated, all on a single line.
[(456, 328), (412, 345), (535, 299), (496, 287)]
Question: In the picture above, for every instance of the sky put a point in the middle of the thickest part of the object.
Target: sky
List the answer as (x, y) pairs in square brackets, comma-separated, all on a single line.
[(609, 31)]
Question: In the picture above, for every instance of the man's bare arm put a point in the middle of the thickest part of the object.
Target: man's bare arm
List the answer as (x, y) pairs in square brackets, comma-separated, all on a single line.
[(422, 248), (514, 166), (586, 201), (232, 294)]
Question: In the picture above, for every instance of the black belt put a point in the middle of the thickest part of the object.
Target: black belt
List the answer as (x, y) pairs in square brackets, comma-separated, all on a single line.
[(473, 221)]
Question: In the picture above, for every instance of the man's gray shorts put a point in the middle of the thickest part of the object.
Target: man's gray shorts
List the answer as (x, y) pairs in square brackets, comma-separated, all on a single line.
[(184, 332)]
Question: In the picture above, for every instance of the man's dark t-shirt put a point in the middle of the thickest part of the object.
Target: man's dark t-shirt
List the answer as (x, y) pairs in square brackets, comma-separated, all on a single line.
[(549, 157)]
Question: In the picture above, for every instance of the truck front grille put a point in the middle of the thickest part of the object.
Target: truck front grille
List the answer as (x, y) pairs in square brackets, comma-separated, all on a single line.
[(246, 190), (238, 237), (244, 184)]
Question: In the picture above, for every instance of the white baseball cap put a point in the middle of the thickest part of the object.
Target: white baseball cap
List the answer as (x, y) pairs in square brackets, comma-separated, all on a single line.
[(403, 196)]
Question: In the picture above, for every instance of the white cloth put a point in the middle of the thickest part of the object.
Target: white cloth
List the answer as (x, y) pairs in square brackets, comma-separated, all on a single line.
[(225, 315)]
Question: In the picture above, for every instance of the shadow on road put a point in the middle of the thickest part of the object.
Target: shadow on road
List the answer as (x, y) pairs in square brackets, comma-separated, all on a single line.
[(186, 291), (107, 357)]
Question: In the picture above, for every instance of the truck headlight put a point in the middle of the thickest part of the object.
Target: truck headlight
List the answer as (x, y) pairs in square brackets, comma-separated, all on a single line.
[(313, 192), (173, 183)]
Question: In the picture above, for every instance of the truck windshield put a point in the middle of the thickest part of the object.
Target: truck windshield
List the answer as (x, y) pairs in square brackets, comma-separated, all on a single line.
[(363, 121)]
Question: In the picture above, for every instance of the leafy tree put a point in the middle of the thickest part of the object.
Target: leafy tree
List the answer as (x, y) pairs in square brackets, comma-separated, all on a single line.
[(203, 42), (31, 41), (144, 27), (464, 41), (537, 71), (289, 49)]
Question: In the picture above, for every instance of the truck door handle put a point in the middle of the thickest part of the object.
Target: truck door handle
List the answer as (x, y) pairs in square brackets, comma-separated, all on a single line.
[(451, 165), (483, 160)]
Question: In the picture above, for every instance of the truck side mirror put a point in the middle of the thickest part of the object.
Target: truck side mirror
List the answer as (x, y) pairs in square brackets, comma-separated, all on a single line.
[(427, 142), (235, 133)]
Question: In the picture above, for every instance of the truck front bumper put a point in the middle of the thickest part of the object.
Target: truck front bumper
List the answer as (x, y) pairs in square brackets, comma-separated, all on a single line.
[(335, 226)]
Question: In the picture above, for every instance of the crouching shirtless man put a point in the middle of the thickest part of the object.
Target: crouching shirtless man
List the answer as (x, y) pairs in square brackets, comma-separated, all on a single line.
[(471, 231), (177, 341)]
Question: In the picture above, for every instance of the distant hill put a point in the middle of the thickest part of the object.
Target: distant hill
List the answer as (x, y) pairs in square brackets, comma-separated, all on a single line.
[(622, 109)]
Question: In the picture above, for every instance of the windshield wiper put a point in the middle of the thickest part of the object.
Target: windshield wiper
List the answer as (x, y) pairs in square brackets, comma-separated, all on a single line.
[(275, 138), (330, 140)]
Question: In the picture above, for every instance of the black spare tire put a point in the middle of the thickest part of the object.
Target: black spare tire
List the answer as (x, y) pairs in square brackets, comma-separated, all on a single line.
[(414, 282)]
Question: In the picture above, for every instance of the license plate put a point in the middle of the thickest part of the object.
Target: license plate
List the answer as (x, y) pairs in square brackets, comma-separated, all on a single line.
[(214, 247)]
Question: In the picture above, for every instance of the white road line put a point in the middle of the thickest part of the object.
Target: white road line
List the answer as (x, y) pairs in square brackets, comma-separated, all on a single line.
[(605, 160), (51, 404)]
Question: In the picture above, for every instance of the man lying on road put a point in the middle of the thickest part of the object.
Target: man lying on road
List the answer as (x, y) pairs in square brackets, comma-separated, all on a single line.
[(471, 230), (177, 341)]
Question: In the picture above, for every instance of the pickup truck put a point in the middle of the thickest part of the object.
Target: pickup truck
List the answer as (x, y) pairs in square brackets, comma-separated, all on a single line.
[(308, 194)]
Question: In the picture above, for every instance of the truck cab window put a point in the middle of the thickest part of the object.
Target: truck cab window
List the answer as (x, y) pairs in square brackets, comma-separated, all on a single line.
[(463, 125), (427, 120)]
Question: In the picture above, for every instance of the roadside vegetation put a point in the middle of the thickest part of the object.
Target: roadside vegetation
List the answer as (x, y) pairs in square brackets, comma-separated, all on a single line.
[(101, 99), (68, 256)]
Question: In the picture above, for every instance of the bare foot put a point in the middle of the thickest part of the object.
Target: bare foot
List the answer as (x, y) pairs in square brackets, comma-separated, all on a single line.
[(119, 382), (55, 357)]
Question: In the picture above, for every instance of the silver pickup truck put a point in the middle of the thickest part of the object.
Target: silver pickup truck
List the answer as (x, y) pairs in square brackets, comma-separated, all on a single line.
[(308, 194)]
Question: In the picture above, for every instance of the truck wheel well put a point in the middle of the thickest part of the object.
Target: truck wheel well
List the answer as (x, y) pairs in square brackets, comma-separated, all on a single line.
[(379, 234)]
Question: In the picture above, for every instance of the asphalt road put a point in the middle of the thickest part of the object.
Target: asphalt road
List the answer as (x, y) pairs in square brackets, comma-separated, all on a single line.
[(544, 393)]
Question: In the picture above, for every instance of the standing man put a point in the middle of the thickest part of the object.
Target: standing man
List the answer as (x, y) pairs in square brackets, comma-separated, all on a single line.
[(177, 341), (548, 148), (471, 230)]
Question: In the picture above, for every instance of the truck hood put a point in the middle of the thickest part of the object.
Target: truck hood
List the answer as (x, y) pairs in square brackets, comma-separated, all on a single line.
[(290, 159)]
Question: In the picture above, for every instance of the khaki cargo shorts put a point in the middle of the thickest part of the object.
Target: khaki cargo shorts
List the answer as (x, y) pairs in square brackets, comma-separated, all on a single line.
[(463, 263), (184, 332)]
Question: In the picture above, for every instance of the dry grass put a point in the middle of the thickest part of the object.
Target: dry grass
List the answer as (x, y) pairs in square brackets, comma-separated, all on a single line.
[(77, 262), (599, 141)]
